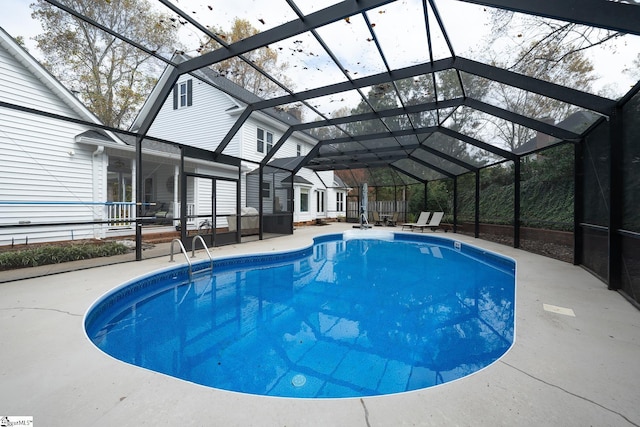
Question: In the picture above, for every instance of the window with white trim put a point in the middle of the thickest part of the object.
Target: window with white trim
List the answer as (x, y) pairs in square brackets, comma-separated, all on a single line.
[(320, 201), (183, 94), (263, 137), (266, 190), (340, 202), (299, 150), (269, 141), (304, 200)]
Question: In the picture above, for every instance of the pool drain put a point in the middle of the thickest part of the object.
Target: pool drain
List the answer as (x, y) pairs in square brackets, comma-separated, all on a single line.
[(298, 380)]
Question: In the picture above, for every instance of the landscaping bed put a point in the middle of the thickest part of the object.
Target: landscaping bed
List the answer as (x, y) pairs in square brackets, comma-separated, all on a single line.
[(33, 255)]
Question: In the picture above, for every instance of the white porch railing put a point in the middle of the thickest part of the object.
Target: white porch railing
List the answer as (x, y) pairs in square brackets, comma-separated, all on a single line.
[(123, 214), (191, 211)]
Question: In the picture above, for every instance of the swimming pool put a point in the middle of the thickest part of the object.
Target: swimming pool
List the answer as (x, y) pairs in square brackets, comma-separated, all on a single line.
[(358, 313)]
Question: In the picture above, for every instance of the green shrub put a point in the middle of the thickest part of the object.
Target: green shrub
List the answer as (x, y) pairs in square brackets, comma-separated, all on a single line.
[(54, 254)]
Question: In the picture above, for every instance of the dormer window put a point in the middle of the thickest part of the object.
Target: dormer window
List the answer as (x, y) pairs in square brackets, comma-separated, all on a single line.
[(183, 94)]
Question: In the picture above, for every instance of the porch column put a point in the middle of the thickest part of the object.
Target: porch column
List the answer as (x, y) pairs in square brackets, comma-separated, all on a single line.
[(176, 192)]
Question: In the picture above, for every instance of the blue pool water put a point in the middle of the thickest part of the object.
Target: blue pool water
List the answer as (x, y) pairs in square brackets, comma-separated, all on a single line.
[(346, 317)]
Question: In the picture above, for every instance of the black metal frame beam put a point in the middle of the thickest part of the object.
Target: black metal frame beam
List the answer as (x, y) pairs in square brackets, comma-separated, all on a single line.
[(376, 79), (448, 158), (561, 93), (527, 122), (276, 147), (456, 135), (108, 30), (379, 135), (234, 129), (368, 151), (610, 15), (290, 29), (476, 143), (432, 167), (410, 175), (412, 109)]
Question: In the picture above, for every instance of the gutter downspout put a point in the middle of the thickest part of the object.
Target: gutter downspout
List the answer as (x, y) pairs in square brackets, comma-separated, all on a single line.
[(98, 211)]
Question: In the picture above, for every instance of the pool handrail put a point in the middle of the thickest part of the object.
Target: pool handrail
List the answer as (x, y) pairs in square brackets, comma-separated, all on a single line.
[(199, 238), (184, 252)]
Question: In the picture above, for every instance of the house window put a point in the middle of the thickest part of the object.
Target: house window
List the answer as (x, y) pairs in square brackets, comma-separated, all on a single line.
[(299, 150), (262, 137), (269, 141), (183, 94), (266, 190), (340, 202), (304, 200)]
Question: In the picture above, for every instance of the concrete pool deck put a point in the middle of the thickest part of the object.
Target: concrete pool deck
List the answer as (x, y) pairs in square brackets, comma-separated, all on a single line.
[(562, 370)]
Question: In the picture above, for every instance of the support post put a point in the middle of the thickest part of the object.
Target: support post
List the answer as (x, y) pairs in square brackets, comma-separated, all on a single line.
[(238, 208), (455, 204), (578, 201), (426, 183), (614, 281), (516, 203), (139, 198), (183, 199), (260, 201), (476, 231)]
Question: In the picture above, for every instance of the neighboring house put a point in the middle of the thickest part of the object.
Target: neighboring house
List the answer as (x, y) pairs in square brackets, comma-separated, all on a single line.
[(203, 108)]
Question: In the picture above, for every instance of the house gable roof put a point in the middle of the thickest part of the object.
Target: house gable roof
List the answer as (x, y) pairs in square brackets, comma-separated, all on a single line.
[(240, 96), (58, 89), (37, 70)]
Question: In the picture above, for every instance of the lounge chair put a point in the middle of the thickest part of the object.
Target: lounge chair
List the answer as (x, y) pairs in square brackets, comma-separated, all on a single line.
[(433, 224), (422, 220)]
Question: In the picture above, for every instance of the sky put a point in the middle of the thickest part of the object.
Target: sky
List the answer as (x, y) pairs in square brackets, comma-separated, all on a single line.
[(402, 46)]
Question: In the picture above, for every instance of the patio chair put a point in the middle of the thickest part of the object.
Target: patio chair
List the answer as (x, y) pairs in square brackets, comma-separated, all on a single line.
[(422, 220), (393, 220), (433, 224), (376, 218)]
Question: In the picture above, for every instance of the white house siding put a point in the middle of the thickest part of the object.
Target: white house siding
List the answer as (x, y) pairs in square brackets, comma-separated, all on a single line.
[(207, 121), (318, 185), (40, 161), (225, 193), (203, 124), (331, 196), (249, 137), (288, 149)]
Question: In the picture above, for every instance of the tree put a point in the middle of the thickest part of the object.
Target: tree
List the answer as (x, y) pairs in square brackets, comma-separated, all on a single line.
[(240, 71), (112, 77), (547, 50), (634, 71)]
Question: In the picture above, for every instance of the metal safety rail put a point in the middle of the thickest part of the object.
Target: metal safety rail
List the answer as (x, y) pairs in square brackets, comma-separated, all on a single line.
[(204, 245), (193, 253)]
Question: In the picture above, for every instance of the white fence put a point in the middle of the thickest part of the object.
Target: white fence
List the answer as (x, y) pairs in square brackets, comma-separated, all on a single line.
[(384, 207)]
